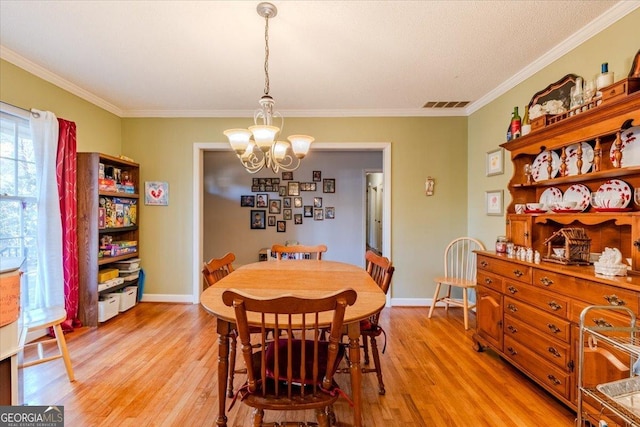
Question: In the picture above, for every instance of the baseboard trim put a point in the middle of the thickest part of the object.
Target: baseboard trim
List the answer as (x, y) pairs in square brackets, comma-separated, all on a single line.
[(175, 298)]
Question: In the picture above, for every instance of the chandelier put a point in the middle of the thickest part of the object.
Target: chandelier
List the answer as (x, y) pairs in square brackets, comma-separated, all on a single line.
[(265, 149)]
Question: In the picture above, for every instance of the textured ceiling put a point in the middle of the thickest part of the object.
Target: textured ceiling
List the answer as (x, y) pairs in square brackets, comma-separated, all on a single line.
[(206, 58)]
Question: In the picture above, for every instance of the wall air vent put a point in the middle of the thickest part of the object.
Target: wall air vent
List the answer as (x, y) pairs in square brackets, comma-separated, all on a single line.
[(445, 104)]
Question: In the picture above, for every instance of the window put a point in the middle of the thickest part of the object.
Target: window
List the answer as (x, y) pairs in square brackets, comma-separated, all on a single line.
[(18, 202)]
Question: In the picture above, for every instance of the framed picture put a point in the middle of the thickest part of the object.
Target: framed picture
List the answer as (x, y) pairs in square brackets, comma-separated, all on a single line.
[(318, 214), (287, 176), (297, 202), (258, 219), (494, 202), (286, 202), (293, 188), (287, 214), (275, 206), (297, 218), (330, 213), (283, 190), (308, 211), (156, 193), (255, 188), (317, 202), (329, 185), (495, 162), (262, 200), (271, 220), (317, 176), (282, 227), (255, 181), (248, 201)]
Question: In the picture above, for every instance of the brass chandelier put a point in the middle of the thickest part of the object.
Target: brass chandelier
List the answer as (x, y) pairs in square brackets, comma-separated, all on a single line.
[(265, 150)]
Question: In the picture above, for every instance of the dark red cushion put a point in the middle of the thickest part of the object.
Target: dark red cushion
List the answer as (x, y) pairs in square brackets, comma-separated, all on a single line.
[(323, 352)]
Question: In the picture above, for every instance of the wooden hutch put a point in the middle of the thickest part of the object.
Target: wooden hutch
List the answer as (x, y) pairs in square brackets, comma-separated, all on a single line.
[(530, 313)]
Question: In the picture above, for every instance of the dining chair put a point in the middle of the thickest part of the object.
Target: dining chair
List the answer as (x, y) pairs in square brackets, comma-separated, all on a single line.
[(286, 373), (298, 251), (459, 272)]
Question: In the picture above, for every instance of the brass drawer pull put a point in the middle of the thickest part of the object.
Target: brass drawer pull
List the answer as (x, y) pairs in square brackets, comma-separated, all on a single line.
[(512, 289), (518, 273), (554, 380), (512, 329), (555, 352), (554, 306), (488, 281), (484, 263), (512, 308), (546, 281), (553, 328), (614, 300), (602, 323), (511, 351)]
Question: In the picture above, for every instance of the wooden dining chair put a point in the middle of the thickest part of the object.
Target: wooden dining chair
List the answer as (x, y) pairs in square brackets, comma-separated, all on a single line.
[(287, 373), (459, 272), (298, 251)]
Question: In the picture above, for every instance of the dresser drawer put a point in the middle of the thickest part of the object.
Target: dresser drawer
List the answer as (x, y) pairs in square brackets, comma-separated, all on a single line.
[(598, 317), (550, 349), (549, 302), (511, 270), (540, 320), (550, 376), (490, 280)]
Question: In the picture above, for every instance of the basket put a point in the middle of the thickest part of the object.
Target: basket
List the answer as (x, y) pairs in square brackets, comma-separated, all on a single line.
[(625, 392)]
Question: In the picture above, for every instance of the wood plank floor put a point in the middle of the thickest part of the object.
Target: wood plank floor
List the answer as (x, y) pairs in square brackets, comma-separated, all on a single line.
[(155, 365)]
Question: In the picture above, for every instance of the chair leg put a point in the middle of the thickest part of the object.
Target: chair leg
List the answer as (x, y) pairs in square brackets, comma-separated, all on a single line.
[(465, 307), (322, 417), (62, 346), (258, 415), (232, 363), (446, 302), (435, 300), (365, 347), (376, 362)]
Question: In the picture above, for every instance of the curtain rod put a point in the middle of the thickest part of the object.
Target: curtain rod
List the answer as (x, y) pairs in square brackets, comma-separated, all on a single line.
[(35, 114)]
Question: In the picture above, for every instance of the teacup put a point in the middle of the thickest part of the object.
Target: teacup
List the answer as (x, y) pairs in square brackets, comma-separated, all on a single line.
[(565, 205), (535, 206), (613, 203), (520, 208)]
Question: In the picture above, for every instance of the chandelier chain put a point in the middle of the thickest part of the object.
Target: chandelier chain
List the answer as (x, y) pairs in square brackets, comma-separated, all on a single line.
[(266, 56)]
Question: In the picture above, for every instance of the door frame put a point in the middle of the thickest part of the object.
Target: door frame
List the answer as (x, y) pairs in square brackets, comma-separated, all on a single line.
[(198, 185)]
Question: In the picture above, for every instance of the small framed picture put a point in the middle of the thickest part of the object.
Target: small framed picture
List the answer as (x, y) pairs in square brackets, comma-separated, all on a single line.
[(255, 181), (329, 185), (317, 176), (317, 202), (293, 188), (283, 190), (330, 213), (297, 202), (255, 188), (262, 200), (156, 193), (275, 206), (495, 162), (282, 227), (248, 201), (308, 211), (297, 218), (494, 202), (287, 176), (286, 202), (258, 219), (271, 220), (318, 214), (287, 214)]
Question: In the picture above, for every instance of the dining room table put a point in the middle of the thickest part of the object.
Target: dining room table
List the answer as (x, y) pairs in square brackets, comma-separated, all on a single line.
[(302, 278)]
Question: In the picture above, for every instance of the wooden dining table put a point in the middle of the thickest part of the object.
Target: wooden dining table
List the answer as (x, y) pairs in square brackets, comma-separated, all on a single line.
[(302, 278)]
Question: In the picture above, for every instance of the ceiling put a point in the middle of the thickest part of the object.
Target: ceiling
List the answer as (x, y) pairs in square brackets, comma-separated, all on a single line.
[(327, 58)]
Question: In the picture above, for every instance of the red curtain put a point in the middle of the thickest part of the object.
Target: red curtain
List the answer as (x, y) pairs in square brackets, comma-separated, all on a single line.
[(66, 176)]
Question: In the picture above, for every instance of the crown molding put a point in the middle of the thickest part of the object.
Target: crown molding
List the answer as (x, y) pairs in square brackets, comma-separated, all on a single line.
[(422, 112)]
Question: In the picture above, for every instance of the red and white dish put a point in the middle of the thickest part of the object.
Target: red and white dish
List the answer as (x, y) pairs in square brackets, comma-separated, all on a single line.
[(567, 210), (534, 211), (578, 193), (550, 197), (630, 147), (541, 163), (612, 209), (612, 191), (572, 158)]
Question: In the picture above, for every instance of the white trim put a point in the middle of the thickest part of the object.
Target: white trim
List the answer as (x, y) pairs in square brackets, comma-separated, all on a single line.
[(200, 147), (16, 111), (401, 112)]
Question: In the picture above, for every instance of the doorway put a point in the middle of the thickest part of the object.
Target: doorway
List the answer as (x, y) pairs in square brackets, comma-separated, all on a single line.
[(375, 210)]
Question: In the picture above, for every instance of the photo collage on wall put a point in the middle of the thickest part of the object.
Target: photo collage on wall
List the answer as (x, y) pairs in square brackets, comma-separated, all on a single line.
[(277, 201)]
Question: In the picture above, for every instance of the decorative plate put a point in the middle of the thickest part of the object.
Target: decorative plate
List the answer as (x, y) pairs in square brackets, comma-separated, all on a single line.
[(540, 164), (550, 196), (613, 190), (566, 210), (578, 193), (630, 147), (572, 158), (612, 209)]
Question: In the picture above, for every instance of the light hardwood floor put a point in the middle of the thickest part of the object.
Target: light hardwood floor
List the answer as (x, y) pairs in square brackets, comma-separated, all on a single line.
[(155, 365)]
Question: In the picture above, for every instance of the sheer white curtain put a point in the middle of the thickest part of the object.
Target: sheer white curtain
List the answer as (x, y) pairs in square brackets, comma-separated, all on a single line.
[(50, 283)]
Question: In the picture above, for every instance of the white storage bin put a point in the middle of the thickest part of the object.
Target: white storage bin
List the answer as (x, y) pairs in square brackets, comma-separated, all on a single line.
[(128, 298), (108, 307)]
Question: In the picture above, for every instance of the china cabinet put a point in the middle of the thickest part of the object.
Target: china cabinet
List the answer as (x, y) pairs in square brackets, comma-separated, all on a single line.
[(530, 313)]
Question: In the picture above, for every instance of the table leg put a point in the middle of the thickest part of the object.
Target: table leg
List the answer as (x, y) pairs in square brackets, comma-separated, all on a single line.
[(223, 329), (353, 331)]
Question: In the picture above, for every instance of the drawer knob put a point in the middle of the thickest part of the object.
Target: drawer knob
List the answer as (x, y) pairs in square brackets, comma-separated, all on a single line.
[(488, 281), (483, 263), (553, 379), (512, 308), (513, 289), (512, 329), (555, 352), (614, 300), (553, 328), (602, 323), (511, 351), (554, 306), (518, 273), (546, 281)]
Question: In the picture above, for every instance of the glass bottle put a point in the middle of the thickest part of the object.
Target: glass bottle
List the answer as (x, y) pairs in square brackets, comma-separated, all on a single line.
[(605, 78), (509, 135), (501, 244), (516, 123), (526, 125)]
